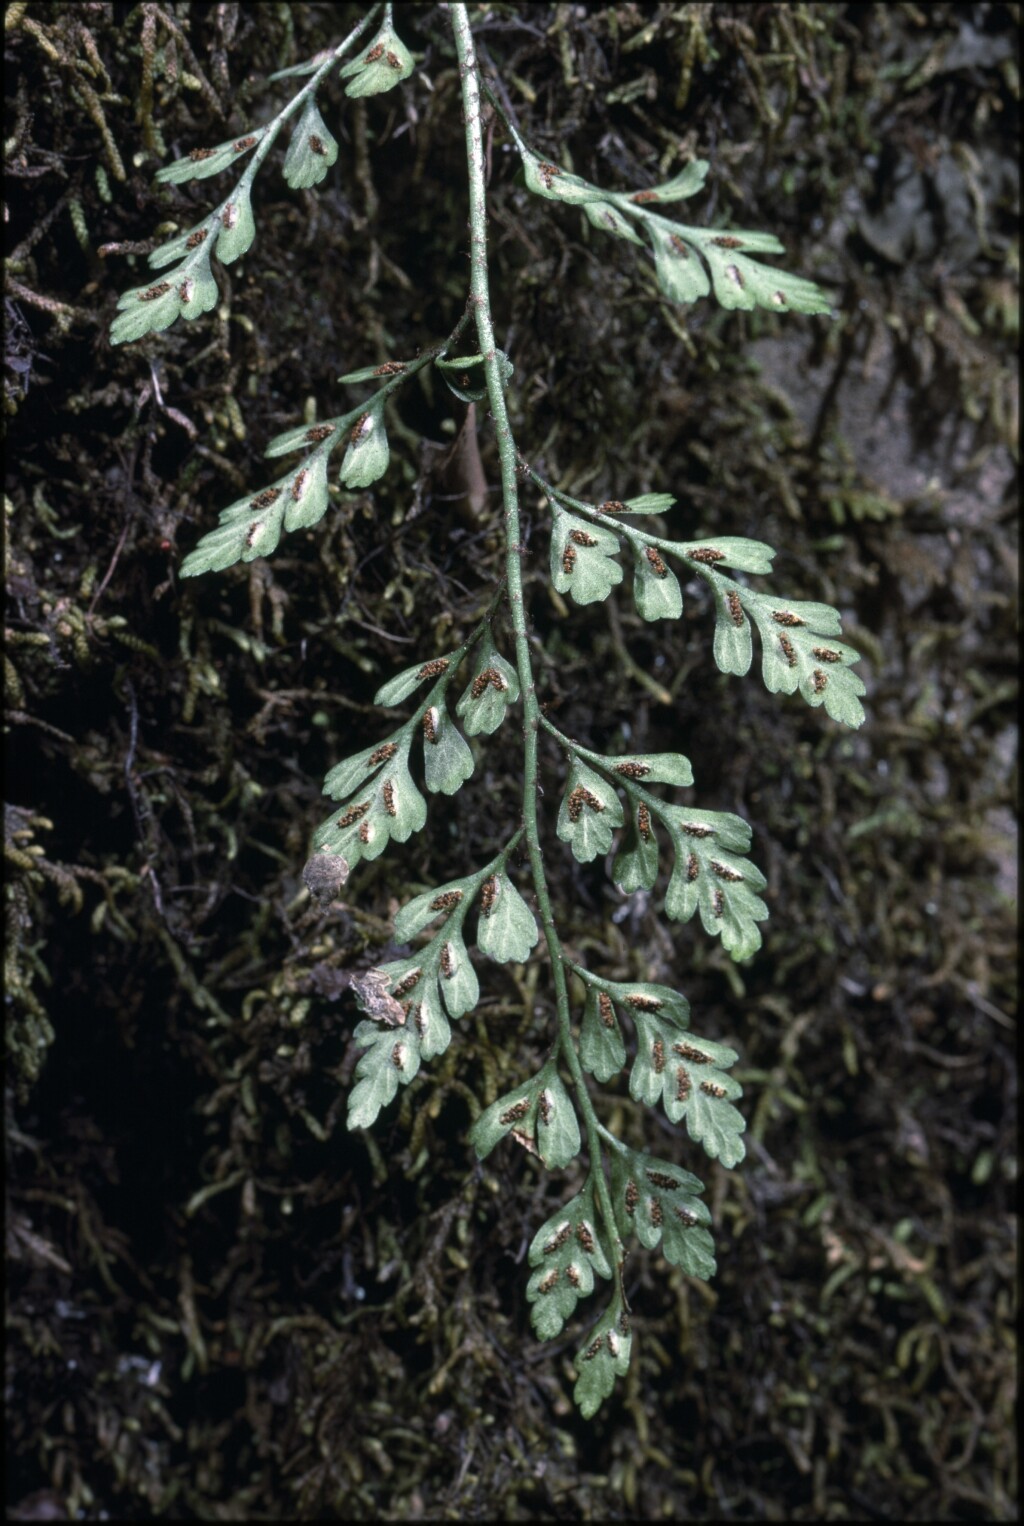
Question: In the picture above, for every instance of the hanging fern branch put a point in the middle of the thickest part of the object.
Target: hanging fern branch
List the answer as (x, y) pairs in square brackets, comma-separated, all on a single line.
[(610, 805)]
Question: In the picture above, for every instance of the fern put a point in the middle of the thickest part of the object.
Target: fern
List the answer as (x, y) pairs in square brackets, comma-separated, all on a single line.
[(607, 805)]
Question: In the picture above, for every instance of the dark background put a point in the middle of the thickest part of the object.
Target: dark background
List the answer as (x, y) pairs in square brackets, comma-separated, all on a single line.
[(222, 1305)]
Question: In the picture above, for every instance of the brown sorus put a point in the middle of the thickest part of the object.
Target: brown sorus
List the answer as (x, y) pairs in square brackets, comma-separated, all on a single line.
[(382, 753), (317, 433), (826, 654), (663, 1180), (706, 554), (359, 428), (786, 617), (643, 197), (726, 241), (406, 984), (632, 1196), (643, 822), (317, 144), (365, 832), (819, 680), (488, 676), (559, 1238), (185, 291), (568, 560), (657, 564), (195, 239), (242, 144), (544, 1107), (433, 668), (374, 54), (199, 154), (394, 62), (724, 872), (516, 1112), (354, 813), (447, 961), (695, 1056), (718, 903), (693, 830), (593, 1349), (712, 1088), (430, 719), (685, 1217), (488, 895), (389, 797), (581, 797), (268, 496), (678, 245), (299, 485), (682, 1083), (788, 650), (613, 506), (582, 538), (160, 290), (692, 868), (658, 1056), (390, 368), (732, 598), (631, 770), (547, 1283), (229, 216), (585, 1236), (572, 1275), (605, 1008), (398, 1056), (446, 900), (641, 1002), (657, 1213)]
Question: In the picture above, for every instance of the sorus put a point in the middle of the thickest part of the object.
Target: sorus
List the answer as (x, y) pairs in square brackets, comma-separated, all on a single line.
[(712, 1088), (643, 822), (679, 247), (732, 598), (658, 565), (643, 1003), (159, 290), (696, 1056), (788, 650), (706, 554), (718, 903), (446, 900), (724, 872), (692, 868), (568, 560), (317, 433), (199, 154), (547, 1283), (585, 1236), (195, 239), (607, 1011), (266, 498), (389, 797), (663, 1180), (515, 1113), (826, 654), (488, 895), (299, 486), (819, 680), (316, 144), (631, 770), (581, 538), (406, 984), (786, 617), (642, 197), (390, 368), (361, 427), (726, 241), (658, 1056), (431, 718), (559, 1238), (632, 1196), (354, 813), (682, 1083), (382, 753), (432, 669), (243, 144), (374, 54), (693, 830)]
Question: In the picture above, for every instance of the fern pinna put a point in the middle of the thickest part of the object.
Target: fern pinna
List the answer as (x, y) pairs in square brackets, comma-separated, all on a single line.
[(609, 804)]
